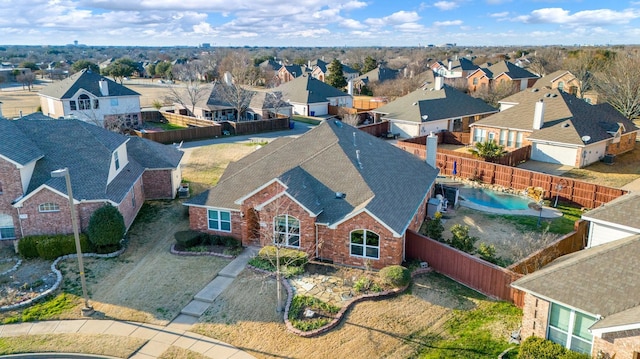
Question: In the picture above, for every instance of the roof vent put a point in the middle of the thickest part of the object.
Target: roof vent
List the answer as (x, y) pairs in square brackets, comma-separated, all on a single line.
[(554, 95), (415, 104), (341, 195), (535, 90), (566, 125), (547, 95)]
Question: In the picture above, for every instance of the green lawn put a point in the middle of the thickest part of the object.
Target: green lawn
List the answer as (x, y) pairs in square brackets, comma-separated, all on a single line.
[(308, 120), (560, 225)]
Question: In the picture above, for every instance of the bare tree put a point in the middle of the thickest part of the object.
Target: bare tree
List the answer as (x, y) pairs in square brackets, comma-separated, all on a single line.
[(546, 60), (235, 95), (495, 92), (27, 79), (619, 84), (192, 90), (240, 65), (349, 117)]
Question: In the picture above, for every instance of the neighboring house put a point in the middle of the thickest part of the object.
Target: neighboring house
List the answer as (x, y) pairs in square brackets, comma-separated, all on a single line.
[(105, 167), (560, 128), (453, 69), (320, 70), (433, 109), (312, 97), (587, 301), (335, 192), (614, 220), (287, 73), (265, 105), (565, 81), (503, 73), (378, 75), (92, 98)]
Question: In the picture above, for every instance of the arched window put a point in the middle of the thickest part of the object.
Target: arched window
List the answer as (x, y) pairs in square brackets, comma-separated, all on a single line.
[(84, 102), (286, 230), (49, 207), (7, 231), (365, 243)]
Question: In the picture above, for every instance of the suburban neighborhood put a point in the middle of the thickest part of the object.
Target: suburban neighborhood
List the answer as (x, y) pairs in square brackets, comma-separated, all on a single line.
[(212, 202)]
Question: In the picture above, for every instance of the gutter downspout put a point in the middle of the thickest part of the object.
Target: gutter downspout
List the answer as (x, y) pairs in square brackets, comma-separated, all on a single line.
[(316, 227), (15, 241)]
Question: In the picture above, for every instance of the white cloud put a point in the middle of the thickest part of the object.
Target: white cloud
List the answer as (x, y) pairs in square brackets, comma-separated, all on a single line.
[(351, 24), (499, 14), (448, 23), (394, 19), (583, 18), (445, 5), (410, 27)]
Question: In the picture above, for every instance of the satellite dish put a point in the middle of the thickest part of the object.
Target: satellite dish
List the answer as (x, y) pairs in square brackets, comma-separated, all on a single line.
[(425, 117), (586, 138)]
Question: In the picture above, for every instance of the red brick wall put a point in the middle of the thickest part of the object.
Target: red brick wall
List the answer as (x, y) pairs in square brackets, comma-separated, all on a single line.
[(10, 189), (199, 221), (127, 207), (157, 184), (623, 344), (534, 317)]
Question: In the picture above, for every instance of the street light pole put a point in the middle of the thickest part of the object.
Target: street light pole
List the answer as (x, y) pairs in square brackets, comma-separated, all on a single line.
[(64, 172)]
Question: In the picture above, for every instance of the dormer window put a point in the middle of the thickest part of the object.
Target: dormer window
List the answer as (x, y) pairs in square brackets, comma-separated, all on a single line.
[(116, 160)]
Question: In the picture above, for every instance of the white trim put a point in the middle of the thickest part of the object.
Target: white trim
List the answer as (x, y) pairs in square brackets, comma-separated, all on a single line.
[(364, 210), (260, 206), (20, 201), (617, 328), (543, 297), (220, 221), (19, 166), (364, 244), (210, 207), (265, 185), (611, 224)]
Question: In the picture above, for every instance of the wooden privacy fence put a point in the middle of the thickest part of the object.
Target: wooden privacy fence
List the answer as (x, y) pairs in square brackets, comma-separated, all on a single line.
[(365, 105), (376, 129), (186, 121), (249, 127), (585, 194), (177, 136), (485, 277), (572, 242)]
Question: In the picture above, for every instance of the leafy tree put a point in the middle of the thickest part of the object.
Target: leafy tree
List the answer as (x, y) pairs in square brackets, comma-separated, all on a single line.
[(106, 227), (460, 238), (150, 69), (335, 76), (85, 64), (489, 150), (29, 65), (163, 69), (369, 64), (434, 227)]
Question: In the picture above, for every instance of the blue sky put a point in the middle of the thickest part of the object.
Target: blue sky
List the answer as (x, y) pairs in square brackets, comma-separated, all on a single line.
[(319, 22)]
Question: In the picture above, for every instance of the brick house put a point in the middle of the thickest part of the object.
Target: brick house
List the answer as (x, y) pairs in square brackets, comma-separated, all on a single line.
[(335, 192), (587, 301), (564, 80), (503, 73), (320, 70), (560, 128), (311, 97), (105, 167), (436, 107), (93, 98)]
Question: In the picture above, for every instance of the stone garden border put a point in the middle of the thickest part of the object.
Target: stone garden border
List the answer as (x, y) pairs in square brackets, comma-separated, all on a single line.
[(338, 318), (12, 269), (195, 254), (54, 269)]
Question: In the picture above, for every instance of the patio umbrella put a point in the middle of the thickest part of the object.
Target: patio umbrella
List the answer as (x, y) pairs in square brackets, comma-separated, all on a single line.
[(455, 168)]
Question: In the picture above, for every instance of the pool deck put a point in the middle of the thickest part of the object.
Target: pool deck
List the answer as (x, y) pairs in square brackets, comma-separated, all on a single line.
[(547, 212)]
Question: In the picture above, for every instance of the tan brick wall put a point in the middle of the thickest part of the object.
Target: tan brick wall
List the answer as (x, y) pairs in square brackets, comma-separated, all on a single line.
[(157, 184), (496, 134), (626, 144), (623, 344), (10, 189), (534, 317), (483, 82)]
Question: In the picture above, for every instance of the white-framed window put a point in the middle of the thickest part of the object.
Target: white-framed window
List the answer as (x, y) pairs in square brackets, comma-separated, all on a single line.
[(286, 230), (49, 207), (503, 137), (7, 231), (479, 135), (114, 102), (116, 160), (364, 243), (475, 80), (72, 105), (512, 138), (84, 102), (570, 328), (519, 137), (219, 220), (492, 136)]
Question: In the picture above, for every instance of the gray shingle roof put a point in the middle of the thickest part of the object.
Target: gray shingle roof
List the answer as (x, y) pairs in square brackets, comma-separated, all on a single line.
[(379, 74), (624, 210), (387, 181), (15, 146), (510, 69), (445, 103), (153, 155), (566, 118), (306, 89), (601, 280), (88, 81)]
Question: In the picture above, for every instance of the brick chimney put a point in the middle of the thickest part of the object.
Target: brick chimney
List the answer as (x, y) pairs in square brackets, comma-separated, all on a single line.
[(432, 148), (538, 115)]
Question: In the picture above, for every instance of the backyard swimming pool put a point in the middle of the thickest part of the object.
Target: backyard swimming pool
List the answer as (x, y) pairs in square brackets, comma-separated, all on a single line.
[(489, 198)]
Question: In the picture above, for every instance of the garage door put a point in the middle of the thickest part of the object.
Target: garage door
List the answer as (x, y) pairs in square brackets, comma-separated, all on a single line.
[(554, 154)]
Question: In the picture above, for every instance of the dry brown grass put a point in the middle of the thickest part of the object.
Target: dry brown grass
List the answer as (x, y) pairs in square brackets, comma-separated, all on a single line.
[(398, 327), (625, 169), (146, 283), (179, 353), (203, 166), (117, 346)]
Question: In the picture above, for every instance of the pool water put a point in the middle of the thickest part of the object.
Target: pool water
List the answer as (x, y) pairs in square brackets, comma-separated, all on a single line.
[(489, 198)]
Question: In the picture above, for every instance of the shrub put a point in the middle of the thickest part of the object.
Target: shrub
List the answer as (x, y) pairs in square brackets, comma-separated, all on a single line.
[(106, 227), (396, 276), (52, 246), (188, 239), (289, 257), (539, 348), (27, 247), (300, 302), (261, 263), (487, 252), (229, 241), (461, 239), (434, 227), (363, 284)]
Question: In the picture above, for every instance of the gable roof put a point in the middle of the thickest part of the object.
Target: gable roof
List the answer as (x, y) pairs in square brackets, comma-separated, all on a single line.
[(153, 155), (623, 211), (15, 146), (267, 100), (88, 81), (379, 74), (598, 280), (510, 69), (306, 89), (548, 80), (566, 118), (323, 66), (333, 157), (295, 70), (445, 103)]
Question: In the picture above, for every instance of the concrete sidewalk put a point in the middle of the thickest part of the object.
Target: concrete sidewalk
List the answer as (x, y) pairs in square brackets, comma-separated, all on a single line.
[(159, 338)]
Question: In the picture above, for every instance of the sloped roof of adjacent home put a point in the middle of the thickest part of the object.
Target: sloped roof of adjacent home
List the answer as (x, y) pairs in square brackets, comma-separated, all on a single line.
[(88, 81), (333, 157), (153, 155), (510, 69), (600, 281), (546, 81), (567, 119), (267, 100), (306, 89), (379, 74), (623, 211), (440, 104), (15, 146)]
